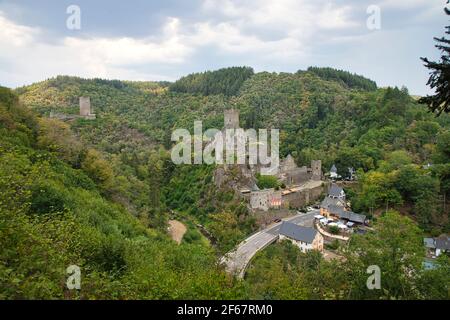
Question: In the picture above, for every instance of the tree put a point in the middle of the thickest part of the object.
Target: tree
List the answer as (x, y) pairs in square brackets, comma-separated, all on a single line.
[(98, 169), (333, 229), (439, 77), (396, 248), (56, 136), (267, 182)]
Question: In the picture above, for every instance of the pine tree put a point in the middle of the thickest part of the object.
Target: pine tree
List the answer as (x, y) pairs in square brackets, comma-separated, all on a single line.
[(439, 77)]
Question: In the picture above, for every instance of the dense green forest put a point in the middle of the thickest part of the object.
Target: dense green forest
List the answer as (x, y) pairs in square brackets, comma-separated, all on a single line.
[(322, 114), (224, 81), (57, 208), (351, 80), (110, 187)]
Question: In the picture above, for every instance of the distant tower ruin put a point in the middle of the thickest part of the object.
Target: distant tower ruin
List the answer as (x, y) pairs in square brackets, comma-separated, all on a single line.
[(231, 119), (316, 168), (85, 108)]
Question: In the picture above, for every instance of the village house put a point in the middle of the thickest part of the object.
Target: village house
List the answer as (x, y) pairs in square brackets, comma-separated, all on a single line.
[(336, 192), (334, 206), (335, 197), (350, 217), (305, 238), (352, 174), (333, 172), (436, 246)]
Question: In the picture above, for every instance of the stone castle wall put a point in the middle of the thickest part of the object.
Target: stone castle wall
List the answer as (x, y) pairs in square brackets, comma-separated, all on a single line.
[(302, 198)]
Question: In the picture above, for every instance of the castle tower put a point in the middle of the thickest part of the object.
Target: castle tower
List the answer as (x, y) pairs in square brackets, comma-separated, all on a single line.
[(85, 106), (316, 168), (231, 119)]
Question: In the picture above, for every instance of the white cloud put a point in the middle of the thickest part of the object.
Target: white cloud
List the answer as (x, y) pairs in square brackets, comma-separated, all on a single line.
[(31, 59), (284, 14), (237, 35), (16, 35), (281, 35), (229, 39), (296, 26), (131, 51)]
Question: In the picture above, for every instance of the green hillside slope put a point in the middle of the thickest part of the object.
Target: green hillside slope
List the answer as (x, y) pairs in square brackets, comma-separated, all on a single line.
[(57, 208)]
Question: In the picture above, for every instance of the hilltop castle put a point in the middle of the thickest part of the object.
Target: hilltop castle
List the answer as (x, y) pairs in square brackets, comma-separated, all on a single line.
[(303, 184), (85, 111), (85, 108)]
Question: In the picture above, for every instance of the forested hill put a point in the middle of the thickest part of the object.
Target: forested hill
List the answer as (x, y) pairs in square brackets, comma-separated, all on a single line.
[(349, 79), (57, 208), (224, 81), (99, 193), (317, 110), (322, 113)]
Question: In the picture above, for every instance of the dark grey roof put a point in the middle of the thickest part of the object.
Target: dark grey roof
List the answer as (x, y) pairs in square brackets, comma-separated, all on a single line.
[(429, 243), (348, 215), (335, 190), (355, 217), (333, 168), (442, 243), (327, 202), (297, 232), (336, 210)]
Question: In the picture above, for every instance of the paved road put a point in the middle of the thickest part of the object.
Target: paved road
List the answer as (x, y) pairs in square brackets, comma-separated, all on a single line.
[(237, 260)]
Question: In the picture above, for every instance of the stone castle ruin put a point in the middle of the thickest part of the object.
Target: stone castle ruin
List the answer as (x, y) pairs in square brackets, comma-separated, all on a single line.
[(85, 108), (302, 184), (290, 174), (266, 199), (86, 111)]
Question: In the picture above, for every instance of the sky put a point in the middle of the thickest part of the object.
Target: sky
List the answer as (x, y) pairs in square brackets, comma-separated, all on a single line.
[(164, 40)]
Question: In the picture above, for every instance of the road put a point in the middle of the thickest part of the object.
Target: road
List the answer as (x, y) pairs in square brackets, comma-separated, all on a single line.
[(236, 261)]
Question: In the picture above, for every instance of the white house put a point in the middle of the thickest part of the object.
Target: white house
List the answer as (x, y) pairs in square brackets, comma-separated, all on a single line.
[(304, 238), (333, 172), (437, 246), (352, 174)]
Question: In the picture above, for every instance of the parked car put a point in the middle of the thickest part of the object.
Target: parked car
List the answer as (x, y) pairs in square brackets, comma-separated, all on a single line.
[(277, 220)]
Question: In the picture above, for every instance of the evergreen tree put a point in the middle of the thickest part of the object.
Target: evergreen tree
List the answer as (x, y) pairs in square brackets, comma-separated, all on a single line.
[(439, 77)]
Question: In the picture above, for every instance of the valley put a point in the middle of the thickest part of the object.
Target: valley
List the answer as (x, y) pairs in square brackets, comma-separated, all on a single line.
[(103, 187)]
